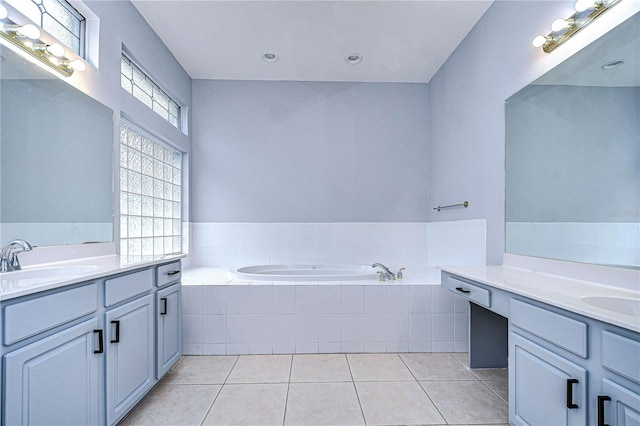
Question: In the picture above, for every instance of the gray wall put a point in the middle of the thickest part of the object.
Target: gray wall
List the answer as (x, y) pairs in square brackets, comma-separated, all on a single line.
[(573, 154), (309, 152), (467, 122)]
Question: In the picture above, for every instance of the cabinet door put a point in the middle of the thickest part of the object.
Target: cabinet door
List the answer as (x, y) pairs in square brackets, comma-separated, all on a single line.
[(542, 387), (130, 355), (55, 381), (169, 333), (623, 407)]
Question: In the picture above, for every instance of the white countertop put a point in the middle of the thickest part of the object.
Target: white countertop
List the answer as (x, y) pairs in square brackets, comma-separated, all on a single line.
[(562, 292), (95, 267)]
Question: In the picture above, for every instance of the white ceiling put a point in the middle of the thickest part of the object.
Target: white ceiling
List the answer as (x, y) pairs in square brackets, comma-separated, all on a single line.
[(401, 41)]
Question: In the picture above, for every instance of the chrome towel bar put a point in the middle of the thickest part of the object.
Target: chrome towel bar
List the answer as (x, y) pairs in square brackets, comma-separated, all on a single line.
[(465, 205)]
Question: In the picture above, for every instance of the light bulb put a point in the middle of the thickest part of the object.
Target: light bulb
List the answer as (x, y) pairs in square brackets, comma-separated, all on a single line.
[(3, 12), (29, 31), (539, 41), (78, 65), (56, 50), (582, 5), (559, 25)]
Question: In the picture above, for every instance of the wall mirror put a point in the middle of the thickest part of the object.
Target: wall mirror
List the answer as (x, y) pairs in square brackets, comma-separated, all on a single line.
[(56, 168), (573, 156)]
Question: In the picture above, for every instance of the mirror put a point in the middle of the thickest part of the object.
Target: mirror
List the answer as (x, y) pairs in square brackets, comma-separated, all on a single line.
[(573, 156), (56, 168)]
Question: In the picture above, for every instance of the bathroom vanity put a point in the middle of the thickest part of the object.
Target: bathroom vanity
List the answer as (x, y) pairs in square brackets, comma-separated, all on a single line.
[(572, 347), (84, 349)]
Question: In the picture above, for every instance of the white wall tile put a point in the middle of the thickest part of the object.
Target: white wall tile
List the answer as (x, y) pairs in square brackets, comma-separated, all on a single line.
[(260, 348), (306, 328), (214, 328), (249, 328), (397, 346), (460, 304), (329, 347), (351, 327), (420, 299), (192, 300), (352, 347), (238, 349), (245, 299), (374, 327), (375, 299), (307, 299), (462, 346), (192, 329), (284, 347), (351, 299), (214, 349), (329, 328), (420, 346), (306, 347), (420, 327), (329, 299), (284, 299), (397, 327), (442, 327), (397, 298), (375, 347), (214, 299), (461, 327), (442, 346), (191, 349), (442, 300), (284, 328)]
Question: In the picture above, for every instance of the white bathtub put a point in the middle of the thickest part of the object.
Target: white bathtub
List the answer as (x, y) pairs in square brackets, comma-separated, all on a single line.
[(306, 273)]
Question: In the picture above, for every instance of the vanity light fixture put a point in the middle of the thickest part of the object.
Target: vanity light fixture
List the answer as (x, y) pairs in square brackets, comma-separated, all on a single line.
[(26, 39), (562, 30)]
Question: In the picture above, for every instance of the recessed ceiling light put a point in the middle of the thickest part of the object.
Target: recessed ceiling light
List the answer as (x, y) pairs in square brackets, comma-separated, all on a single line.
[(612, 64), (353, 58), (270, 57)]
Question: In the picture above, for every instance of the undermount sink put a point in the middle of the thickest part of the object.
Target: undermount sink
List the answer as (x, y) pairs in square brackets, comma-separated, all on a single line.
[(27, 277), (621, 305)]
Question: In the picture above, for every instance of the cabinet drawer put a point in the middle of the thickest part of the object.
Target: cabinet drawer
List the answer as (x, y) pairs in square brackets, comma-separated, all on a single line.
[(621, 355), (168, 273), (476, 294), (563, 332), (127, 286), (28, 318)]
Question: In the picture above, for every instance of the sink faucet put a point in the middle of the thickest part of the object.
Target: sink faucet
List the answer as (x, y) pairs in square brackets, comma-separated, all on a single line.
[(8, 256), (386, 273)]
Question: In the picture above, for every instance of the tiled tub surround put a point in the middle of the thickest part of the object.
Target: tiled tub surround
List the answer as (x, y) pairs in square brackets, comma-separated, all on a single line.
[(396, 244), (221, 315), (226, 316)]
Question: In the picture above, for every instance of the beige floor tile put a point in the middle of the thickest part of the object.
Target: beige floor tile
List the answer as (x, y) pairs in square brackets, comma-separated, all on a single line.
[(393, 403), (466, 402), (462, 357), (261, 369), (491, 373), (378, 367), (500, 387), (174, 405), (202, 370), (320, 368), (249, 404), (323, 404), (436, 366)]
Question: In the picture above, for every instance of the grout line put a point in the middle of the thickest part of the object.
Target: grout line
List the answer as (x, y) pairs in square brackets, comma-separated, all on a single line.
[(220, 391), (286, 399), (425, 392), (356, 389)]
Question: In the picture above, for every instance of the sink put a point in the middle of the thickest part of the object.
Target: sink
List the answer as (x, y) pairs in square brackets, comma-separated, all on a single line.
[(621, 305), (28, 277)]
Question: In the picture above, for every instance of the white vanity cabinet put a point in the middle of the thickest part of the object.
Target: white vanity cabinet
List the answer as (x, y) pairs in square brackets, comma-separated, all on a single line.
[(86, 353)]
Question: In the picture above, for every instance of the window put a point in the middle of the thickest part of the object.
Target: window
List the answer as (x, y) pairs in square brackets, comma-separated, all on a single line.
[(140, 85), (150, 195), (58, 18)]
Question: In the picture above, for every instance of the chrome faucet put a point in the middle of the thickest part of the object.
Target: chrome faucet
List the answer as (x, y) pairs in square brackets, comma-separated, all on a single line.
[(8, 257), (386, 273)]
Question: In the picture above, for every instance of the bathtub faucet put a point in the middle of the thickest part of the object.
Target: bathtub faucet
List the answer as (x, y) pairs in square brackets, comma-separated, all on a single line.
[(386, 273)]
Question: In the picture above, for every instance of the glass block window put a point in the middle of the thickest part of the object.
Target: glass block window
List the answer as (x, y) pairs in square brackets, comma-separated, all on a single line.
[(58, 18), (140, 85), (150, 195)]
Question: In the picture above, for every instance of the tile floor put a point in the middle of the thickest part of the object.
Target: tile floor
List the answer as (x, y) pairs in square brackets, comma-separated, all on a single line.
[(335, 389)]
